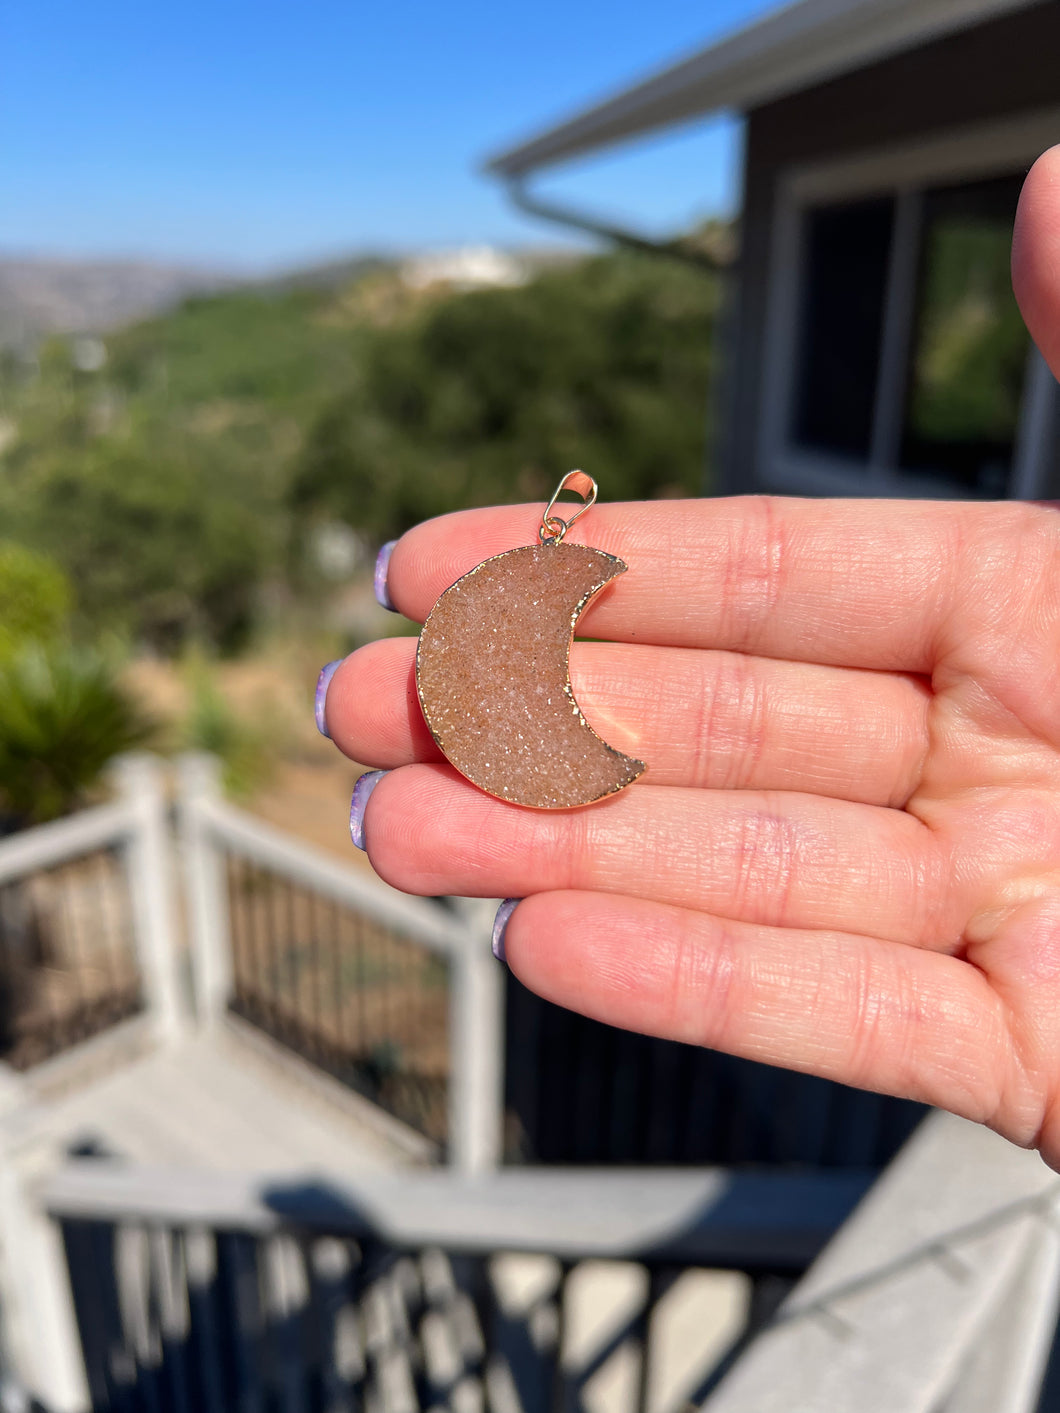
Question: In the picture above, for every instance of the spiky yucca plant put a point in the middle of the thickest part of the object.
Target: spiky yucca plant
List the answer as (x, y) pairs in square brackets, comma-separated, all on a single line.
[(63, 718)]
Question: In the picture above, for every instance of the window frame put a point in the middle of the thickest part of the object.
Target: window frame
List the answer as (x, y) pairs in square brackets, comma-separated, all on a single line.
[(904, 172)]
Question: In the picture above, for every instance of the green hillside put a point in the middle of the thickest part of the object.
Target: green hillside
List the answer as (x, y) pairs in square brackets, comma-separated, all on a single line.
[(179, 483)]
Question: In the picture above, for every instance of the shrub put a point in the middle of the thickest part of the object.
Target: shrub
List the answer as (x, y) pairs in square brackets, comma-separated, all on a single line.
[(63, 718), (34, 598)]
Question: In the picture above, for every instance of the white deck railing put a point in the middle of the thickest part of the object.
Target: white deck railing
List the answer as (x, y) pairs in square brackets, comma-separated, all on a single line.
[(137, 825), (429, 1289), (210, 829), (939, 1295)]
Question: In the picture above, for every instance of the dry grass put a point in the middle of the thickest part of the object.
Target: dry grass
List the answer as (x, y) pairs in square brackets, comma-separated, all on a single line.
[(307, 787)]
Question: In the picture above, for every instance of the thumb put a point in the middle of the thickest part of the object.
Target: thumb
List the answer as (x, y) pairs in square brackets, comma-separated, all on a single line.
[(1036, 255)]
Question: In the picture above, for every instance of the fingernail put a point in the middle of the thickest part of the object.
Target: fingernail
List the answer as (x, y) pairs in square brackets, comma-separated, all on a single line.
[(327, 672), (382, 567), (362, 793), (500, 926)]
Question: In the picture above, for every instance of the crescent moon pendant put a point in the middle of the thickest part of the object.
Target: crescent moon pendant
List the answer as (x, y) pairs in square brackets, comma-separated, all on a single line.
[(493, 677)]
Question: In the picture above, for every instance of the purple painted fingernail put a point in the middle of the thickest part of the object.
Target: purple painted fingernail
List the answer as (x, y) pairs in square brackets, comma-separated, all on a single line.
[(500, 925), (362, 792), (327, 672), (382, 566)]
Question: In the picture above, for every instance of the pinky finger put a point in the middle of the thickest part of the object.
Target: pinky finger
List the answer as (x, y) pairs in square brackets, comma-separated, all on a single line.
[(875, 1014)]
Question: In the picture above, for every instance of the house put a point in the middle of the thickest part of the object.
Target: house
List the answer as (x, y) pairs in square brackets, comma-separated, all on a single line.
[(875, 346)]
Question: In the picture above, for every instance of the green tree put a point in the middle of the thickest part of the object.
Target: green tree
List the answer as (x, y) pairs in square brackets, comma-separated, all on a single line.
[(166, 538), (604, 364)]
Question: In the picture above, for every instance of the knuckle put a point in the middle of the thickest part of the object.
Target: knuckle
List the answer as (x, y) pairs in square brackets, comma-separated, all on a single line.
[(757, 567), (768, 849), (732, 722)]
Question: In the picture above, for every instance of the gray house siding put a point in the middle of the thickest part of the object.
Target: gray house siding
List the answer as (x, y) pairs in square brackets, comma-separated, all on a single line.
[(995, 71)]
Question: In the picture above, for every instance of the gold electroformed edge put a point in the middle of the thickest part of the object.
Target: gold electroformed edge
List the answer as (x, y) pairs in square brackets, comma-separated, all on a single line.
[(568, 688)]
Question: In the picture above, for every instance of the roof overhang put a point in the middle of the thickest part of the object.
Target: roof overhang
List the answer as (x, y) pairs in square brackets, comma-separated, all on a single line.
[(796, 47)]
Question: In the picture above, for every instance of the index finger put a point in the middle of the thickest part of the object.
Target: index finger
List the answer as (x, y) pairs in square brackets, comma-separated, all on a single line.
[(855, 583)]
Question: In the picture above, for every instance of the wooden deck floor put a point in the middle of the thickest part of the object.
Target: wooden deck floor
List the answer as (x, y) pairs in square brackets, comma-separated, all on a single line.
[(225, 1098)]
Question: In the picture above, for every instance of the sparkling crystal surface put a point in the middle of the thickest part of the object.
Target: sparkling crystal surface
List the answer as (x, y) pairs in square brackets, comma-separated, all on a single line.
[(494, 682)]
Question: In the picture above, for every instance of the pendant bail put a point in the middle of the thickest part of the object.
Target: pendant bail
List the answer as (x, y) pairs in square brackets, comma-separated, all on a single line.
[(554, 527)]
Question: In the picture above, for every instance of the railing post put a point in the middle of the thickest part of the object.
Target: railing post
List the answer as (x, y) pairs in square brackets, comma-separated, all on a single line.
[(40, 1338), (139, 781), (199, 778), (476, 1029)]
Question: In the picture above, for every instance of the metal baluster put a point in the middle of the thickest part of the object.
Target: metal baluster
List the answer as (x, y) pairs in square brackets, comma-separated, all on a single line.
[(79, 1018), (240, 1284), (12, 983), (141, 1365), (327, 1264), (285, 1294), (50, 1035), (257, 947), (341, 1058), (363, 1045), (207, 1324), (316, 974), (291, 970), (93, 1286), (268, 883), (103, 870), (472, 1283), (171, 1296), (236, 883), (560, 1401), (660, 1280)]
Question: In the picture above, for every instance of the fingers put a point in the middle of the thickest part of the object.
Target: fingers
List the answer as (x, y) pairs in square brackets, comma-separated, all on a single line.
[(853, 583), (1036, 255), (712, 720), (845, 1006), (782, 859), (372, 709)]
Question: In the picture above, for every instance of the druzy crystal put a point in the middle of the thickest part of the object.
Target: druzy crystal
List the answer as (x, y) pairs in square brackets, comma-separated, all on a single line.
[(494, 682)]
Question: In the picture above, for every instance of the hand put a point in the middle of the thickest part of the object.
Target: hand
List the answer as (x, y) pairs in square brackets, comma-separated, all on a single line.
[(845, 856)]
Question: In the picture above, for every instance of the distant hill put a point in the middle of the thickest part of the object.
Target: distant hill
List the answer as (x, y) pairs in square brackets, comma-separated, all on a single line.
[(40, 296), (327, 276)]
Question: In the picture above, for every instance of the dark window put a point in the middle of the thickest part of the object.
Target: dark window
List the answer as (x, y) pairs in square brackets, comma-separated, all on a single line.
[(844, 282), (968, 354)]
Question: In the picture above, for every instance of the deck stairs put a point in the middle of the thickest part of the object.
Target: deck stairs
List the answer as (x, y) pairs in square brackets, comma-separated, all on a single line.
[(250, 1129)]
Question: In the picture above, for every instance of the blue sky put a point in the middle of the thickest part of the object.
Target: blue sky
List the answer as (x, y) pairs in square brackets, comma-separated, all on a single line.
[(264, 134)]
